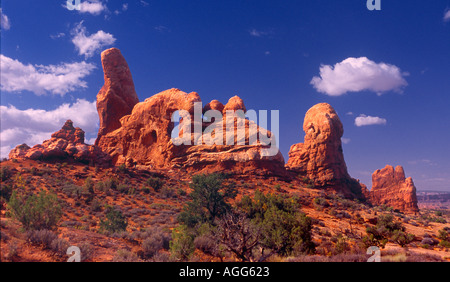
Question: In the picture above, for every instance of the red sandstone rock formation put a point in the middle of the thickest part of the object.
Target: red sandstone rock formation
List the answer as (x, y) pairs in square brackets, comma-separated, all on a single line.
[(143, 135), (117, 97), (320, 158), (391, 188), (65, 143)]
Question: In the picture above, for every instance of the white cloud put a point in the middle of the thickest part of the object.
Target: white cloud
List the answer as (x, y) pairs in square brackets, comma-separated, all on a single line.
[(447, 16), (58, 35), (144, 3), (4, 21), (88, 45), (124, 7), (358, 74), (33, 126), (364, 120), (92, 7), (345, 140), (40, 79), (258, 33)]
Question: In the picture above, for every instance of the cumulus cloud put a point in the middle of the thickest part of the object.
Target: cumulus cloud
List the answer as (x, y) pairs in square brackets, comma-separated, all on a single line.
[(92, 7), (447, 16), (4, 21), (364, 120), (33, 126), (88, 45), (358, 74), (40, 79)]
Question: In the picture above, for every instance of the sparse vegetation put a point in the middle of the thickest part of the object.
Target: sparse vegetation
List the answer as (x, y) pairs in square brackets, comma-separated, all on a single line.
[(169, 219), (155, 182), (115, 221), (40, 211)]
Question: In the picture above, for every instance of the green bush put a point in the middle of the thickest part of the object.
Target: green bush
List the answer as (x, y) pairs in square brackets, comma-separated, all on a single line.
[(40, 211), (402, 238), (182, 243), (284, 229), (386, 229), (115, 221), (5, 173), (155, 183), (209, 199)]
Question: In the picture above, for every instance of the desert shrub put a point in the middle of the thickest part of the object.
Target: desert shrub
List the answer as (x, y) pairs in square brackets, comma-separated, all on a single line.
[(157, 241), (5, 172), (384, 230), (123, 188), (402, 238), (125, 256), (444, 243), (443, 234), (209, 245), (110, 183), (42, 237), (89, 184), (341, 245), (115, 221), (5, 191), (155, 182), (95, 206), (86, 251), (182, 243), (167, 192), (13, 251), (122, 168), (284, 228), (161, 257), (4, 236), (320, 202), (73, 191), (40, 211), (209, 199), (59, 246)]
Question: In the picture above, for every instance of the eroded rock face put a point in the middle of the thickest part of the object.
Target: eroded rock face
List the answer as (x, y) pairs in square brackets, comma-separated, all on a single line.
[(320, 158), (140, 133), (68, 142), (145, 139), (117, 97), (390, 187)]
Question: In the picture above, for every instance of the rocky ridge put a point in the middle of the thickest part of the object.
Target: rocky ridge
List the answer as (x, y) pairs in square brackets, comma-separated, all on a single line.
[(139, 134), (68, 142)]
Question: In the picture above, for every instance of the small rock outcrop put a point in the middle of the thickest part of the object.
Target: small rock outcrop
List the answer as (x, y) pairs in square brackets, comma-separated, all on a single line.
[(320, 159), (68, 142), (390, 187)]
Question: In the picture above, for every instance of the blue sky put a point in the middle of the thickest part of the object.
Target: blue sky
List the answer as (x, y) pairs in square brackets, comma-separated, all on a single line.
[(385, 72)]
